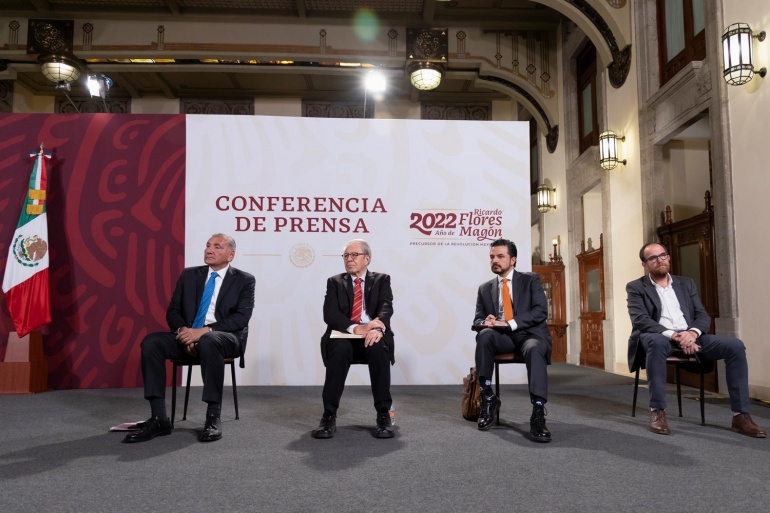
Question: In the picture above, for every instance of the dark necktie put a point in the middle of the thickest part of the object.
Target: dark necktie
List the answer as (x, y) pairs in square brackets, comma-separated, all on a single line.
[(358, 302), (208, 293), (507, 307)]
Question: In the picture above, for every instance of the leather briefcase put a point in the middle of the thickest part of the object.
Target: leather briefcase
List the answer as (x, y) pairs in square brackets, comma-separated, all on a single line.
[(470, 404)]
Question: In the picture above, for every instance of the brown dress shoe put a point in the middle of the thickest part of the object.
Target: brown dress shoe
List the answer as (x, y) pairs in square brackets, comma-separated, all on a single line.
[(658, 422), (743, 424)]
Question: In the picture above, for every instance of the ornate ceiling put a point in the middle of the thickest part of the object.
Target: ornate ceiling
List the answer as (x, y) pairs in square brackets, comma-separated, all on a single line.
[(319, 77), (427, 12), (313, 49)]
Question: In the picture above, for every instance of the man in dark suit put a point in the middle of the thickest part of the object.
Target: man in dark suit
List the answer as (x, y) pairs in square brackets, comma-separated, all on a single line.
[(358, 303), (514, 309), (209, 318), (666, 313)]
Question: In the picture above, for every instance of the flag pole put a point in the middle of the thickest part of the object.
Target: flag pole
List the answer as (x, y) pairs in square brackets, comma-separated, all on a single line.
[(25, 284)]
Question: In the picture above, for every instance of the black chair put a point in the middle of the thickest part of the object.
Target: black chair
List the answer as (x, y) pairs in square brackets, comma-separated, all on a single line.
[(678, 359), (503, 358), (189, 364)]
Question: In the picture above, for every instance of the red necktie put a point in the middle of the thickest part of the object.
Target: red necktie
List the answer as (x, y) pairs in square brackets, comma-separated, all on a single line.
[(507, 307), (358, 302)]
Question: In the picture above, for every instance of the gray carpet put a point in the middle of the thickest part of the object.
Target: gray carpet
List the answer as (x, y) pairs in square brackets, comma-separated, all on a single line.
[(56, 454)]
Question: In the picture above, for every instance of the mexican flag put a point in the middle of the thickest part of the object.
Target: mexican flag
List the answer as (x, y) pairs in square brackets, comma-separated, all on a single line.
[(25, 283)]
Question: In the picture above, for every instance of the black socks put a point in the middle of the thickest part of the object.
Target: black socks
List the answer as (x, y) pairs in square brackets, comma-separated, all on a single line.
[(214, 409), (158, 407)]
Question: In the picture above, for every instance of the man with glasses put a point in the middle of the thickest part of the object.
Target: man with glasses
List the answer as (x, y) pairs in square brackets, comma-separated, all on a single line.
[(666, 314), (357, 311)]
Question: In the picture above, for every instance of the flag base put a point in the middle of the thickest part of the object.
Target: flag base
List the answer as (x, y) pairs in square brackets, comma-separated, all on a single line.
[(25, 369)]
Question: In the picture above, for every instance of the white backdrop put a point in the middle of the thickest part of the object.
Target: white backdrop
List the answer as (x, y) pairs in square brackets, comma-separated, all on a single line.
[(429, 196)]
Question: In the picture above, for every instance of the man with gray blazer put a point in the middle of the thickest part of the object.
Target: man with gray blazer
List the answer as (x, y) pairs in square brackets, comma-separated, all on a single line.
[(666, 314), (511, 313)]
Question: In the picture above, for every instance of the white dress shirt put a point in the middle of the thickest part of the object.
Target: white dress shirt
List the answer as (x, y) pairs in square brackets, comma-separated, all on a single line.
[(501, 315), (671, 315), (210, 317)]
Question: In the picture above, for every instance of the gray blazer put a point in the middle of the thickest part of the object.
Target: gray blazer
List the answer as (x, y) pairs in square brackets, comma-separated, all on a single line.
[(530, 306), (644, 308)]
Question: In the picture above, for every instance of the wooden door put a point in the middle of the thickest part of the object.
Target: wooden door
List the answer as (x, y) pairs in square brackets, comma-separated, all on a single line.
[(552, 277), (591, 275)]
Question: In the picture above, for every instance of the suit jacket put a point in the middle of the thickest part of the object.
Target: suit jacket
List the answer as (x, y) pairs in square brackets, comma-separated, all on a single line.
[(338, 305), (233, 309), (530, 306), (644, 308)]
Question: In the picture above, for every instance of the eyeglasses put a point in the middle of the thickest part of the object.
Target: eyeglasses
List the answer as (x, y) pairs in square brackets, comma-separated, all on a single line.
[(655, 258), (352, 255)]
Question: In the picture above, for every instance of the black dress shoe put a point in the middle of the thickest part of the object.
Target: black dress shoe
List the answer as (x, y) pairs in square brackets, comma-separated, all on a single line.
[(150, 429), (326, 428), (212, 430), (537, 429), (384, 427), (490, 409)]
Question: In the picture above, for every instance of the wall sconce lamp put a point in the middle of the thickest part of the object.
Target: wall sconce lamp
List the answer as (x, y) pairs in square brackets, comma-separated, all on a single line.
[(555, 258), (738, 55), (62, 70), (426, 51), (545, 200), (608, 150)]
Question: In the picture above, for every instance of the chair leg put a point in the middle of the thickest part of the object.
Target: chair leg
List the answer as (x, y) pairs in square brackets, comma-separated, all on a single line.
[(702, 399), (187, 391), (235, 389), (173, 395), (497, 390), (678, 389), (636, 391)]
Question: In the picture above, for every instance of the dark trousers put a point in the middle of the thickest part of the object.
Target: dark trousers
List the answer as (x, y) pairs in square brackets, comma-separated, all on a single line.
[(213, 348), (341, 354), (713, 347), (490, 342)]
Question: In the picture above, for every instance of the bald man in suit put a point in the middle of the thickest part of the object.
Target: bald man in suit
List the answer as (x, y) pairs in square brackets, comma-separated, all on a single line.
[(208, 319)]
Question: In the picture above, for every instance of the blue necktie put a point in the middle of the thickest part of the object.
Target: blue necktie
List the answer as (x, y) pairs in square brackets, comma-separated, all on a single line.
[(208, 292)]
